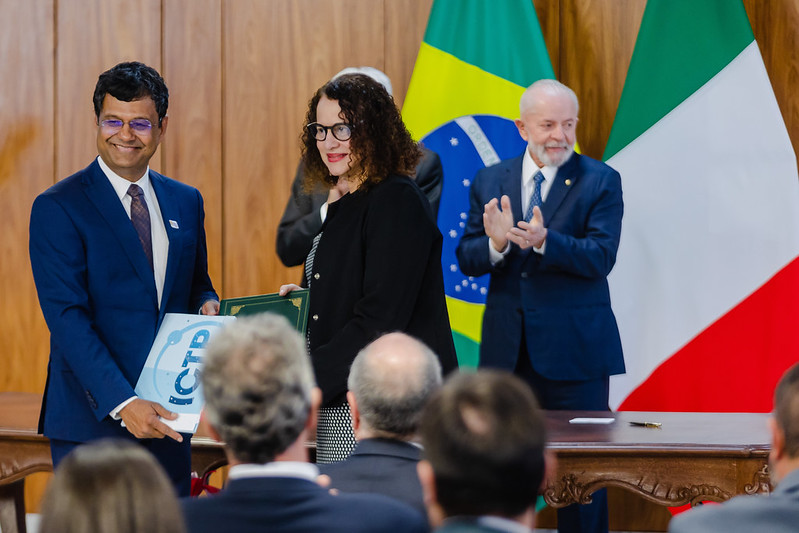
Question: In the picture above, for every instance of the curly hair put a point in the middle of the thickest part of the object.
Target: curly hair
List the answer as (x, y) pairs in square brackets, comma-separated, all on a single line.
[(380, 144)]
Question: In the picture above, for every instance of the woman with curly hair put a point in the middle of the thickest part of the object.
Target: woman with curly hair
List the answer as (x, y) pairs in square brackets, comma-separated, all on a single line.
[(375, 266)]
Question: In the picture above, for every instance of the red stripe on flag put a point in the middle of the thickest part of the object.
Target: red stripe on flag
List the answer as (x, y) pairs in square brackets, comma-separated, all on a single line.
[(734, 365)]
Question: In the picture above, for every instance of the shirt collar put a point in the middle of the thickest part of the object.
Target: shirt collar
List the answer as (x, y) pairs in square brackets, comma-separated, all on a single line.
[(529, 168), (121, 185), (294, 469)]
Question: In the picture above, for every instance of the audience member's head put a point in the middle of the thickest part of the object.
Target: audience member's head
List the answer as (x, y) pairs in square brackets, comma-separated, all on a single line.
[(785, 425), (259, 387), (110, 485), (366, 127), (389, 384), (484, 438)]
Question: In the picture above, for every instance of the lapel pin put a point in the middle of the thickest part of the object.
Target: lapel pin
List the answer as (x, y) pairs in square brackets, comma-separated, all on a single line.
[(174, 224), (568, 182)]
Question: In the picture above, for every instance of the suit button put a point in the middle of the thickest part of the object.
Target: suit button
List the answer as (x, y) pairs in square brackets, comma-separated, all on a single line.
[(524, 275), (316, 276), (315, 317)]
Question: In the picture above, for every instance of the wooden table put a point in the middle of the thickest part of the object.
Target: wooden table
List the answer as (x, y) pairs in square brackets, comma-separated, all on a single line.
[(23, 452), (692, 457)]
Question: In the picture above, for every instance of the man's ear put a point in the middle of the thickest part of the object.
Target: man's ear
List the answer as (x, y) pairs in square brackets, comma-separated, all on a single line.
[(521, 128), (355, 414), (316, 401), (435, 514), (777, 440), (206, 427)]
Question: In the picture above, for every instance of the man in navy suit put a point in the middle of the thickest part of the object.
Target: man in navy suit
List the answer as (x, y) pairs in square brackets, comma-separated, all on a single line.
[(389, 384), (546, 226), (113, 248), (260, 400), (484, 456)]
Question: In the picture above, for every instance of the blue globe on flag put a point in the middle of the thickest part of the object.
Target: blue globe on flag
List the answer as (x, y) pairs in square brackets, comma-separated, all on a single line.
[(466, 145)]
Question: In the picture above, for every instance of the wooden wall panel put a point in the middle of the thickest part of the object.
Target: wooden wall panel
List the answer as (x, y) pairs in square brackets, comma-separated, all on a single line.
[(193, 72), (548, 13), (93, 36), (276, 54), (27, 84), (776, 27), (26, 168), (405, 24), (596, 44)]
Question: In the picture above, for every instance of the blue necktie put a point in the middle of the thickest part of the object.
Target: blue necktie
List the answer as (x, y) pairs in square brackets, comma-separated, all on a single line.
[(140, 216), (535, 198)]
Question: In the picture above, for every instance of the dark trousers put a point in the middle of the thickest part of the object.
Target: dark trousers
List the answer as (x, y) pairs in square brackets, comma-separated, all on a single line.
[(590, 395), (174, 456)]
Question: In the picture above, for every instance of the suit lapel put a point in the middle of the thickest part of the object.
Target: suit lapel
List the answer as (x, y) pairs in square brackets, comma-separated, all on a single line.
[(102, 194), (512, 186), (170, 213), (565, 179)]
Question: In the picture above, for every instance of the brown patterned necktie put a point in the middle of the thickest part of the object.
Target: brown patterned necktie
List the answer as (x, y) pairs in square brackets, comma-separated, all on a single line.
[(140, 216)]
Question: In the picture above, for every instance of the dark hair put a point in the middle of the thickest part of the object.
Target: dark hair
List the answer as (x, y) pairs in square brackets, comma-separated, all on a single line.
[(484, 436), (380, 142), (786, 409), (132, 81), (110, 485)]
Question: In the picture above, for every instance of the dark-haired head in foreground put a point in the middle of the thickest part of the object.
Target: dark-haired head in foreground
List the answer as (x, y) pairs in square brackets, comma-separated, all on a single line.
[(484, 439)]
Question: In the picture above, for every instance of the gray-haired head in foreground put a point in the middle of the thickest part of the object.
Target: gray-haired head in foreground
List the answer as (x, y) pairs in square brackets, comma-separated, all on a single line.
[(257, 383), (392, 379)]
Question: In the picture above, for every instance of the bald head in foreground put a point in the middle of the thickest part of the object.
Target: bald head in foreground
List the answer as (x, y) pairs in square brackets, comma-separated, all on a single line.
[(389, 384), (261, 400)]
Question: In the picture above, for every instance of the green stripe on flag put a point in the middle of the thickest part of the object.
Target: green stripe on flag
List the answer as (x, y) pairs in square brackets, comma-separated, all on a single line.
[(490, 34), (681, 45)]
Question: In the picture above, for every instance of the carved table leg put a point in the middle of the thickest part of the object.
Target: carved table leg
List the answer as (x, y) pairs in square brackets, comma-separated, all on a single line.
[(12, 507)]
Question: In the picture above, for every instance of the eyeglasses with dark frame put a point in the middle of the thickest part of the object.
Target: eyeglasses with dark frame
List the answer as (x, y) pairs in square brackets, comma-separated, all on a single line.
[(139, 125), (340, 131)]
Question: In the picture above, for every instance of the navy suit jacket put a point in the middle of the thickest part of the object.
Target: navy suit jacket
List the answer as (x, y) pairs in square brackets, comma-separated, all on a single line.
[(284, 504), (381, 466), (97, 293), (560, 298)]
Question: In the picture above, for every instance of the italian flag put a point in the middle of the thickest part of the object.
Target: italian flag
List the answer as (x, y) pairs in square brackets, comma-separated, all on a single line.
[(706, 282), (476, 60)]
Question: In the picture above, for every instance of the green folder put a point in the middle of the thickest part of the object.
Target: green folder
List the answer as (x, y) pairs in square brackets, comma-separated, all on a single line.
[(293, 306)]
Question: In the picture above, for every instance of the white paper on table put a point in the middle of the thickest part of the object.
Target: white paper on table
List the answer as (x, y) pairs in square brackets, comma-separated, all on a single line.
[(588, 420)]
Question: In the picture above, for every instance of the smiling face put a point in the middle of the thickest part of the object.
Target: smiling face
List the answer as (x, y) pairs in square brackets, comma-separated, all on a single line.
[(128, 152), (548, 124), (335, 154)]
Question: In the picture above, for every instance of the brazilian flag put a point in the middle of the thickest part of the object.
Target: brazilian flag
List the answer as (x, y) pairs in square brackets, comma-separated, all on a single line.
[(476, 60)]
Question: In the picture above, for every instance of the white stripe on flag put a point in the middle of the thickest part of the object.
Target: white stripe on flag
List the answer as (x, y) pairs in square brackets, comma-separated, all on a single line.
[(711, 213), (481, 143)]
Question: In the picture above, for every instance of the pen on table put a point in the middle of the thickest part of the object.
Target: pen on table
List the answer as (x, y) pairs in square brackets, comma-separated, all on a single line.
[(646, 424)]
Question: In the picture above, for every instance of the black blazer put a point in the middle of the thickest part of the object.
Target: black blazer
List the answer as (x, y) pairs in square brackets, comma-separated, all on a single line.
[(284, 504), (380, 466), (377, 269)]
